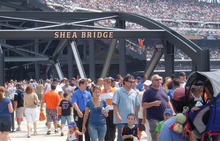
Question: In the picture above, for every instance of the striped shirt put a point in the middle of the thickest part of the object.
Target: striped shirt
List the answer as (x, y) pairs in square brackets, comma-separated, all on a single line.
[(108, 95)]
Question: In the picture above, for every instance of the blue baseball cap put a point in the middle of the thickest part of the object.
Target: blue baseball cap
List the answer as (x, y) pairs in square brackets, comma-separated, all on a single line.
[(139, 78), (71, 124), (56, 79), (169, 111)]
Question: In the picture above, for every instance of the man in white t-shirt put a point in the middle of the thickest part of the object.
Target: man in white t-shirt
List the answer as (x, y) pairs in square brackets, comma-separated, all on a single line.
[(143, 125), (47, 86), (182, 77), (58, 88), (63, 82)]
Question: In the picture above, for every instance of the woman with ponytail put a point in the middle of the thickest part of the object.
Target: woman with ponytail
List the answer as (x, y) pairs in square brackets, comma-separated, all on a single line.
[(5, 114)]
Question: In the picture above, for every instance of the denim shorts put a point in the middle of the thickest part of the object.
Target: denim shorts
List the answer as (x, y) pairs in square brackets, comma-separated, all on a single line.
[(64, 119), (59, 117), (5, 124)]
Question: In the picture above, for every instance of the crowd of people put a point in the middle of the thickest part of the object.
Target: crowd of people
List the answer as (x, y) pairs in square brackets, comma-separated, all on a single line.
[(99, 107), (161, 10)]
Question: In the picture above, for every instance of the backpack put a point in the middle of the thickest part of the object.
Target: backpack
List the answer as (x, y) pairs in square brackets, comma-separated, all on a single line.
[(213, 125)]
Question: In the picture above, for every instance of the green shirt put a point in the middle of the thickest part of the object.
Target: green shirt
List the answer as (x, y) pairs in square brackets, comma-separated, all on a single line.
[(159, 126)]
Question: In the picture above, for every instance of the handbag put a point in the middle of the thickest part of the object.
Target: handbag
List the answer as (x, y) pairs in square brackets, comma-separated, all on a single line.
[(35, 102)]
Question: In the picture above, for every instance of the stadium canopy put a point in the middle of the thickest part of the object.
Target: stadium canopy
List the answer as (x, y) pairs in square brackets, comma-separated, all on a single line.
[(68, 27)]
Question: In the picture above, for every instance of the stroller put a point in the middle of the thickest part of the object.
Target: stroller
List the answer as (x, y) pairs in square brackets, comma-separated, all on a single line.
[(207, 119)]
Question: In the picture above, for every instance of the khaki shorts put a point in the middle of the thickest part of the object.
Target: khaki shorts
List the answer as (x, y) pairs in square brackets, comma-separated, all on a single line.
[(20, 112)]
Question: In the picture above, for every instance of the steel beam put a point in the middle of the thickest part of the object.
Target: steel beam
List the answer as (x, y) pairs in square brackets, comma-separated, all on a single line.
[(169, 58), (50, 34), (108, 60), (30, 20), (153, 63), (92, 59), (7, 4), (45, 49), (2, 66), (78, 60), (37, 65), (25, 59), (59, 49), (122, 51), (21, 49), (60, 16), (70, 61), (58, 69), (204, 60)]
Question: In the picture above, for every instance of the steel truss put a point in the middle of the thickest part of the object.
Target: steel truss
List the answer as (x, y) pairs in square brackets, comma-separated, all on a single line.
[(48, 28)]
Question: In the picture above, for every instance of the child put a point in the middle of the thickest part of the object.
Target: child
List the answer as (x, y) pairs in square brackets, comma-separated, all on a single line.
[(66, 107), (130, 132), (59, 111), (73, 133), (168, 113), (195, 135)]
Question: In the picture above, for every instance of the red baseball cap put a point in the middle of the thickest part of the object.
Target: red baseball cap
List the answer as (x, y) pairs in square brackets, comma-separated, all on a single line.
[(179, 93)]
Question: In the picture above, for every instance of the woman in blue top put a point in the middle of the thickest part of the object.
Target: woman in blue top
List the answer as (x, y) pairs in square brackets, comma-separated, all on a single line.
[(5, 115), (97, 122)]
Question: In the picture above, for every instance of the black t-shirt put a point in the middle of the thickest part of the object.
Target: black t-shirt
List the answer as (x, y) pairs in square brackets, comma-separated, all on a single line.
[(66, 107), (18, 97), (130, 131)]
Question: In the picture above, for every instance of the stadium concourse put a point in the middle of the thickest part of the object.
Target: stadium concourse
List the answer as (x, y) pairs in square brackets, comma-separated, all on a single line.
[(41, 130)]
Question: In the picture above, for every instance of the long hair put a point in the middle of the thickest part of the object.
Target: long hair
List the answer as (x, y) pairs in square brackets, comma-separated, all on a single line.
[(2, 90)]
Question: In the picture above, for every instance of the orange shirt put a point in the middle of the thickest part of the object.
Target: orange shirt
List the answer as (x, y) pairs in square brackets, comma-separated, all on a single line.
[(59, 110), (141, 42), (52, 99)]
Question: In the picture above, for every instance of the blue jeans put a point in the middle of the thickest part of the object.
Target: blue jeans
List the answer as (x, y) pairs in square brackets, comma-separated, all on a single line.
[(64, 119), (120, 126), (97, 133)]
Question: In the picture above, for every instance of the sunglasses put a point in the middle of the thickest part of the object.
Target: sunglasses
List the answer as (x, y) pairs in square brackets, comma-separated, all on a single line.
[(157, 79), (131, 81)]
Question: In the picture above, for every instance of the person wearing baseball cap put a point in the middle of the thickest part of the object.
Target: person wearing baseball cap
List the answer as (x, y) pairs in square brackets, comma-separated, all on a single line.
[(138, 79), (142, 112), (178, 101), (73, 133), (182, 77), (58, 88), (167, 114)]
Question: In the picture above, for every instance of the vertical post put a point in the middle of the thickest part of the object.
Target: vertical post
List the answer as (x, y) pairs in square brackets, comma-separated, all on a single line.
[(2, 66), (169, 58), (37, 65), (84, 49), (122, 51), (70, 61), (92, 59), (203, 63)]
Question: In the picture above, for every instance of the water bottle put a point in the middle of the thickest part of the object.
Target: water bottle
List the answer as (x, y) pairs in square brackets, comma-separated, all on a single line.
[(107, 108)]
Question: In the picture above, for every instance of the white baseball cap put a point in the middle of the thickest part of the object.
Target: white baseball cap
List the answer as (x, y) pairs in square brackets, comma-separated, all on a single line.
[(147, 82)]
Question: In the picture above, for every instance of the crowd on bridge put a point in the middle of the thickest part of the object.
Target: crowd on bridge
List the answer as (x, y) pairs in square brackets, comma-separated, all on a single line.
[(127, 104)]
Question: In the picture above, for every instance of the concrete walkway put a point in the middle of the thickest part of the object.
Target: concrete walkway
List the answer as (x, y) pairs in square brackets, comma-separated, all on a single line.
[(41, 130)]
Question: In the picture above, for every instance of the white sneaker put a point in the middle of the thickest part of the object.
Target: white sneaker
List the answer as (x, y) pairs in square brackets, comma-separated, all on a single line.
[(18, 129), (29, 135), (35, 134)]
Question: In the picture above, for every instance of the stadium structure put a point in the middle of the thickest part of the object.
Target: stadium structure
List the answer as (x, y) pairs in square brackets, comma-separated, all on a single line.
[(38, 42)]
